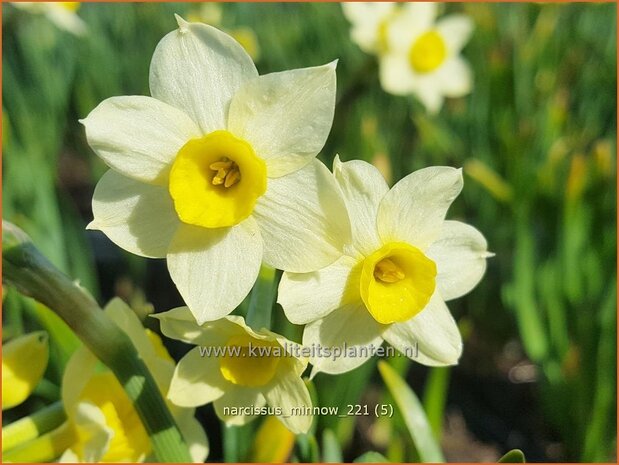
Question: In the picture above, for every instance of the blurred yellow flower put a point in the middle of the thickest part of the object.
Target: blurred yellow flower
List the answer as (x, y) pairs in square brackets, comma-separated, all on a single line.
[(62, 14), (418, 54), (217, 171), (239, 370), (24, 360), (391, 284)]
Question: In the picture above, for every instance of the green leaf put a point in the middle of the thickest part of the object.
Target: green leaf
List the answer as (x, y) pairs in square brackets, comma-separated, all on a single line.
[(307, 448), (371, 457), (435, 397), (413, 414), (513, 456), (261, 299), (331, 450)]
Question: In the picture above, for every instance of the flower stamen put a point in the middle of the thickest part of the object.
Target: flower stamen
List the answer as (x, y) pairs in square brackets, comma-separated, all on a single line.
[(388, 272), (228, 172)]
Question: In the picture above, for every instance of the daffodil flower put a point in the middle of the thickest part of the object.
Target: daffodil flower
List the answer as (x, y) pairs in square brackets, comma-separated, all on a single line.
[(418, 53), (369, 24), (103, 425), (24, 360), (239, 370), (391, 284), (423, 55), (217, 171), (62, 14)]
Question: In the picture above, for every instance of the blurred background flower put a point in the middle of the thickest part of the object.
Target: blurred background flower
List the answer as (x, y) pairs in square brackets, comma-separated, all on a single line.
[(62, 14), (536, 138), (418, 53)]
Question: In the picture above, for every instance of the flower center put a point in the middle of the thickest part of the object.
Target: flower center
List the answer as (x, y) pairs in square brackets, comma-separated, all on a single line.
[(215, 181), (388, 272), (249, 362), (428, 52), (226, 172), (130, 441), (397, 282)]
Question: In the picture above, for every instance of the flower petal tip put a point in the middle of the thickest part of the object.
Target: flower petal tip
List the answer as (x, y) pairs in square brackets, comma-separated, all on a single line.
[(183, 26), (333, 64), (92, 226)]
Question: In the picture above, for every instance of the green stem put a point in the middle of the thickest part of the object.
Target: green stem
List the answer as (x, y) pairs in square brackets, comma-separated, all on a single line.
[(33, 275), (30, 427), (46, 448), (261, 299)]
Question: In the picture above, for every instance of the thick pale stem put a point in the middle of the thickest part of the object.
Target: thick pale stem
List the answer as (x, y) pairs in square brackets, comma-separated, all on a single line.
[(33, 275)]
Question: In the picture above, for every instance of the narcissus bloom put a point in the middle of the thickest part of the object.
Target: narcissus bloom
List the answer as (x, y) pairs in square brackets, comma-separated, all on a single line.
[(103, 425), (217, 171), (418, 54), (404, 262), (239, 370), (24, 360), (62, 14), (369, 24)]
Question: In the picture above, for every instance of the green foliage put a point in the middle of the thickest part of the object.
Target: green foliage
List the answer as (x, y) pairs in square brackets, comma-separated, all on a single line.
[(513, 456), (536, 139), (414, 416)]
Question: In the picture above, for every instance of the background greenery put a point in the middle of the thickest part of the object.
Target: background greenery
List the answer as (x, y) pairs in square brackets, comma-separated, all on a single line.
[(536, 138)]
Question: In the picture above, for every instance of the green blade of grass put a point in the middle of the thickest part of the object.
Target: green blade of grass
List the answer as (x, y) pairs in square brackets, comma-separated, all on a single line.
[(413, 414)]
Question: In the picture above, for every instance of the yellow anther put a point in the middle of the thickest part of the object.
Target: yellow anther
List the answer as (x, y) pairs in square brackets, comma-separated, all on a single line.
[(223, 164), (227, 174), (233, 177), (388, 272)]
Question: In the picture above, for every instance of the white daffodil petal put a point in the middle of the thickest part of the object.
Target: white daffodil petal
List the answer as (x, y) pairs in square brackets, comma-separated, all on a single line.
[(414, 209), (303, 220), (428, 91), (180, 324), (67, 20), (136, 216), (194, 435), (363, 188), (366, 19), (460, 255), (198, 69), (234, 406), (306, 297), (95, 435), (161, 367), (396, 74), (214, 269), (456, 31), (138, 136), (420, 14), (286, 116), (290, 393), (414, 19), (351, 325), (197, 380), (454, 78), (78, 372), (431, 338)]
